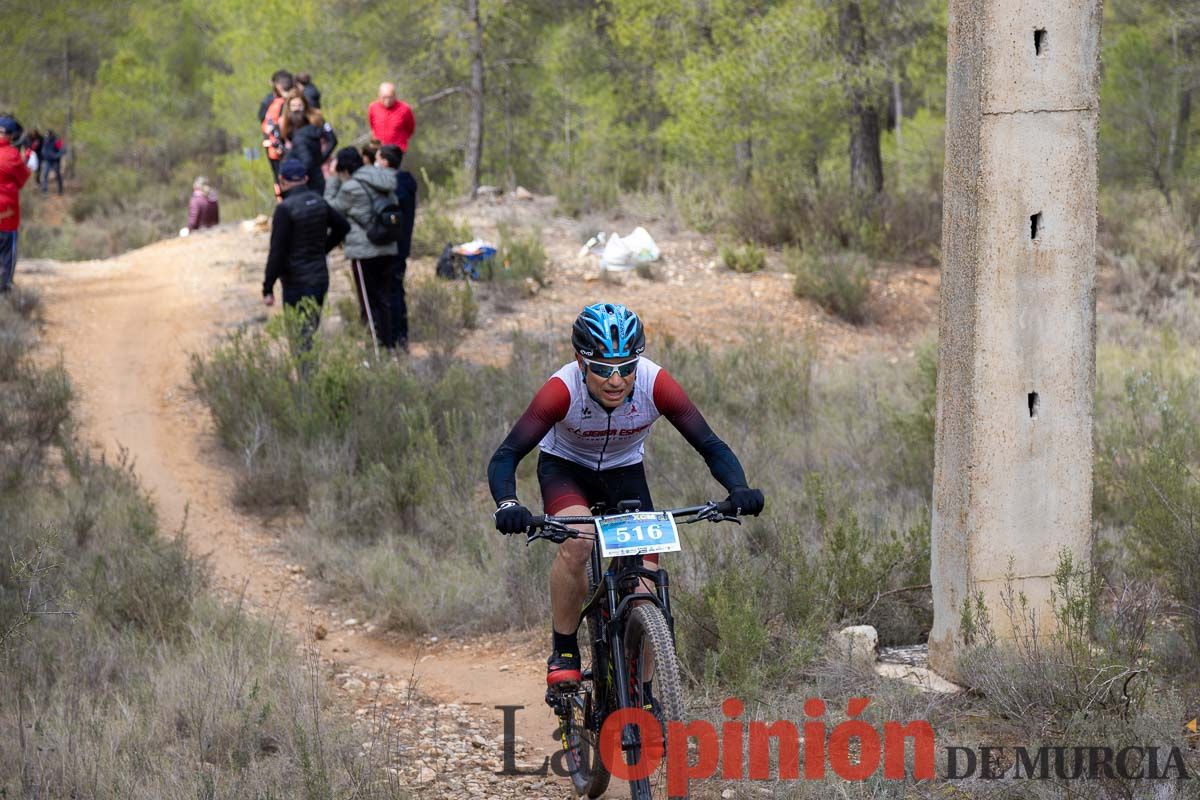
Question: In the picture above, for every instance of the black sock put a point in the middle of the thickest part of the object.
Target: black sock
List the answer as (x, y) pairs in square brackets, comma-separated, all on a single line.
[(566, 643)]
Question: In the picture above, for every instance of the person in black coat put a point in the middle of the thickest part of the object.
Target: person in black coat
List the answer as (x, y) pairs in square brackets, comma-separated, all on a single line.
[(51, 156), (406, 197), (303, 230), (309, 138), (311, 92)]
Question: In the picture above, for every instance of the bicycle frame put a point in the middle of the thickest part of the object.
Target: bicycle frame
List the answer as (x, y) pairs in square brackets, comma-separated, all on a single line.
[(614, 608), (617, 591)]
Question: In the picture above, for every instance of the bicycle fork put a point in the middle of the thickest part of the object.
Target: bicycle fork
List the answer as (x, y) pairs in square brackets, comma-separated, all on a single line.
[(630, 741)]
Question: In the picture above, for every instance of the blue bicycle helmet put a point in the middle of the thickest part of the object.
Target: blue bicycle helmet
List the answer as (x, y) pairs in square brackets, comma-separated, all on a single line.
[(608, 330)]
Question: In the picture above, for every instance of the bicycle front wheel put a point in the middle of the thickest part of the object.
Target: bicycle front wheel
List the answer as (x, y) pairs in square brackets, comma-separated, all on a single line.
[(654, 685)]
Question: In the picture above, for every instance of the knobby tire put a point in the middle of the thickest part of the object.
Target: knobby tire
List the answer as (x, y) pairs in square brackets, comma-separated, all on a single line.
[(647, 632)]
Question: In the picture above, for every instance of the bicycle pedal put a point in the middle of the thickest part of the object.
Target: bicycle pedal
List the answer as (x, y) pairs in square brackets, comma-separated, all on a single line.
[(559, 702)]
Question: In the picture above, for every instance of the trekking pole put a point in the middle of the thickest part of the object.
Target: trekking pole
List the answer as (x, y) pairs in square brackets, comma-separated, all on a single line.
[(362, 291)]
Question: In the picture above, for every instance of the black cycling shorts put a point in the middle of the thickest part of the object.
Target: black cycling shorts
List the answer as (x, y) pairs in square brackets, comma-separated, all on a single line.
[(565, 483)]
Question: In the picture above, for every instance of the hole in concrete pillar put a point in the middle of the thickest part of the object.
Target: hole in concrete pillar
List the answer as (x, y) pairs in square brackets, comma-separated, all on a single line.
[(1034, 405), (1039, 42), (1035, 225)]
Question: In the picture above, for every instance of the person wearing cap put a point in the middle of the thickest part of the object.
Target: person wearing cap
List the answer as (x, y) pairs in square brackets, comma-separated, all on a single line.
[(13, 175), (304, 228)]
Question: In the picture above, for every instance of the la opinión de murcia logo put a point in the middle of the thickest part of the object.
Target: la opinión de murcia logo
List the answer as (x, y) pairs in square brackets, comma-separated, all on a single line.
[(853, 750)]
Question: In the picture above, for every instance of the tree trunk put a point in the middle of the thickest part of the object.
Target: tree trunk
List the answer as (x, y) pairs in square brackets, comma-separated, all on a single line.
[(1183, 119), (866, 161), (1181, 140), (474, 154), (743, 159), (68, 160)]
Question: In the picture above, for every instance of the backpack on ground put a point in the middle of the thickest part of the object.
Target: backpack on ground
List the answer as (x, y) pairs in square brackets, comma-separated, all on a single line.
[(387, 218), (447, 266)]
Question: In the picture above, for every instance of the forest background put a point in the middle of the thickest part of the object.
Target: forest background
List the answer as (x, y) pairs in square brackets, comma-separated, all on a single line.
[(809, 122)]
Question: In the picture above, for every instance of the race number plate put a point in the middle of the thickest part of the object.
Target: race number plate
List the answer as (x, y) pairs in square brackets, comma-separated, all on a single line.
[(639, 533)]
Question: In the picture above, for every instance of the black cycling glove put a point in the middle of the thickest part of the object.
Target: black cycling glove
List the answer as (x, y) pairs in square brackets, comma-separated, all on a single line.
[(512, 517), (747, 501)]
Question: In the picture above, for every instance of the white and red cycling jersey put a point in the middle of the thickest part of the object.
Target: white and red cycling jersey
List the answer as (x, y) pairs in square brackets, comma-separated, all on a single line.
[(565, 421)]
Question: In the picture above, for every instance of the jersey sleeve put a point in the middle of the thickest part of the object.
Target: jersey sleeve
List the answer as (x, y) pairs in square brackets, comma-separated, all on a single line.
[(674, 404), (549, 406)]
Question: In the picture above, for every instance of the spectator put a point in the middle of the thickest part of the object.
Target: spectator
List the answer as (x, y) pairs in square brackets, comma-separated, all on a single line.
[(303, 231), (202, 208), (281, 83), (31, 152), (391, 119), (351, 191), (51, 155), (270, 115), (406, 198), (311, 93), (370, 151), (309, 138), (13, 174)]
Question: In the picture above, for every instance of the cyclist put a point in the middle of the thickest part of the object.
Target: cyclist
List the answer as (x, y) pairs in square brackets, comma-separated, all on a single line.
[(591, 419)]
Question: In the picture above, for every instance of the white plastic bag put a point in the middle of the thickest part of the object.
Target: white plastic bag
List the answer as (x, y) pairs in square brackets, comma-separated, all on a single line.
[(642, 245), (617, 254), (32, 161)]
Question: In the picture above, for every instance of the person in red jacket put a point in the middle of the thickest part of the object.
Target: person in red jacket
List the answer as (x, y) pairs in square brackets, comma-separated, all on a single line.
[(391, 119), (13, 174)]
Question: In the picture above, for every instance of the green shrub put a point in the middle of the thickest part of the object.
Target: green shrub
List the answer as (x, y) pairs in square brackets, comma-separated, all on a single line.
[(839, 283), (469, 307), (1152, 263), (522, 258), (912, 427), (16, 331), (744, 258), (582, 193), (433, 230), (98, 227), (384, 460), (1147, 483), (438, 313), (1040, 682), (767, 603)]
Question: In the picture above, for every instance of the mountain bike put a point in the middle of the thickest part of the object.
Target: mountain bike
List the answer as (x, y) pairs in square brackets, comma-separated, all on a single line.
[(627, 639)]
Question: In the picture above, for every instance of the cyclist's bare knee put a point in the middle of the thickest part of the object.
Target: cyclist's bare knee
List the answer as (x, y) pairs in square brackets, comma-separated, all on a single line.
[(575, 552)]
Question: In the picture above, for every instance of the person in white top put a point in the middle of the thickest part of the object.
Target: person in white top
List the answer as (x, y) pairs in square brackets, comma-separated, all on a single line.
[(590, 421)]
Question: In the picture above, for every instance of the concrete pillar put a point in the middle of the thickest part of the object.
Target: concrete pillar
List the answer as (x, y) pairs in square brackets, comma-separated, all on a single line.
[(1016, 363)]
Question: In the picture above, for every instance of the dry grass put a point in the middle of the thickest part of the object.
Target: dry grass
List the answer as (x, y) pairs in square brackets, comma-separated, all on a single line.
[(122, 676)]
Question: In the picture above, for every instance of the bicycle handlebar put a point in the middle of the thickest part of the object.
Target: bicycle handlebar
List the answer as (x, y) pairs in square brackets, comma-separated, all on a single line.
[(555, 529)]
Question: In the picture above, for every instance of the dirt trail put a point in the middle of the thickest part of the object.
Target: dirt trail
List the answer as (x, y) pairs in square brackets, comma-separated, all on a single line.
[(126, 328)]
